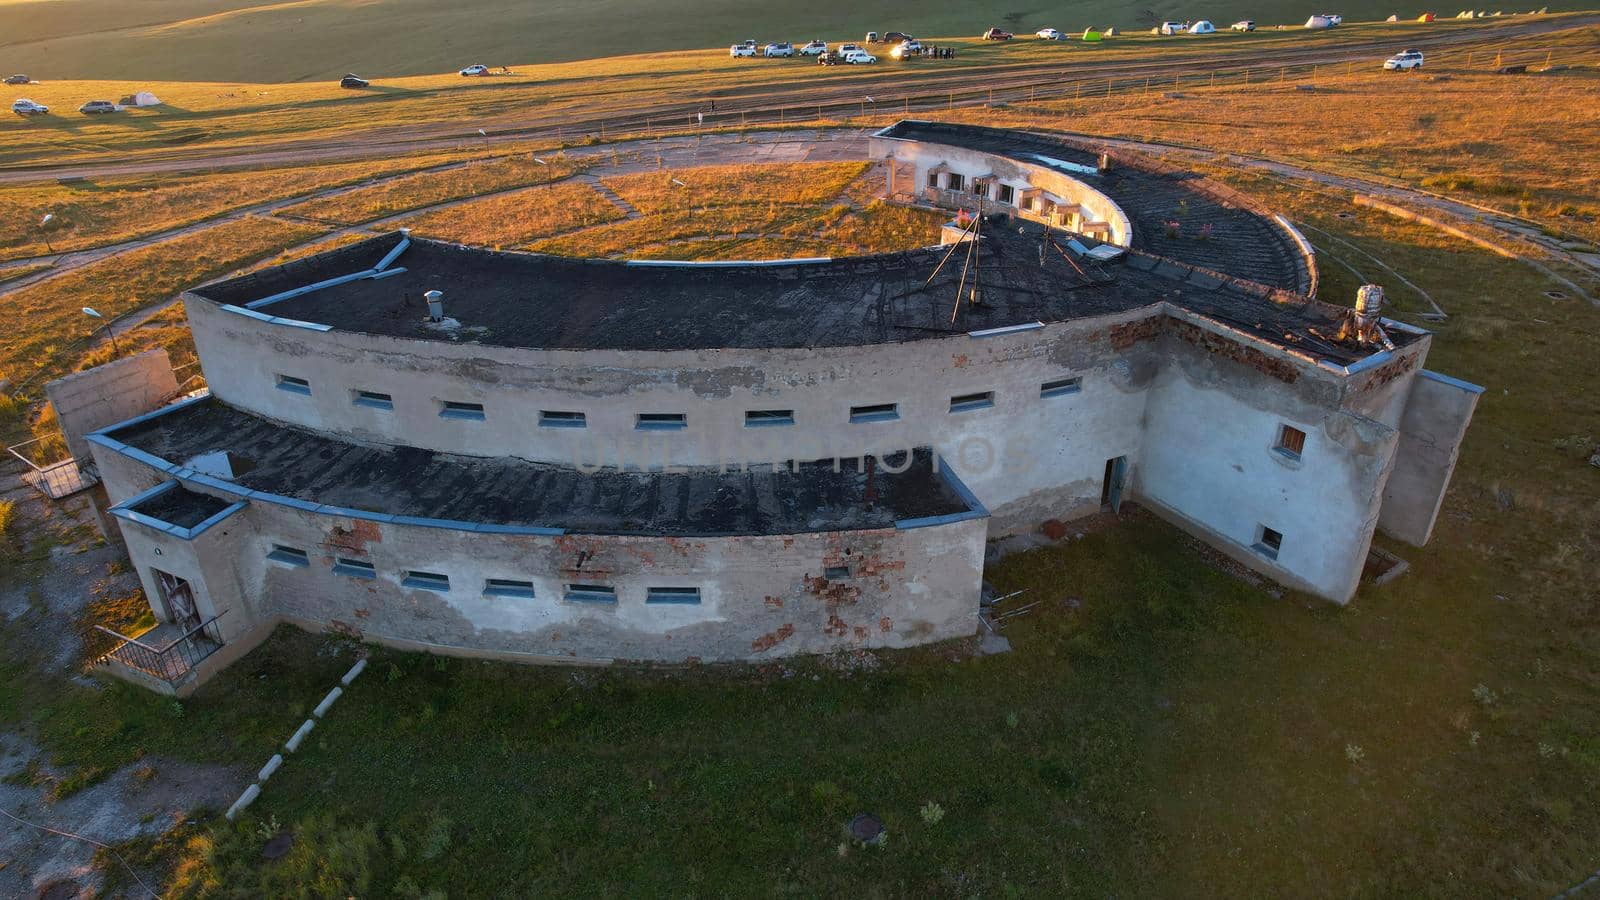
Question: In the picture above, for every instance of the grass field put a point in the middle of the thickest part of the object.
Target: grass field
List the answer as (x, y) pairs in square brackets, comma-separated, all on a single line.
[(237, 114), (429, 188), (1464, 134), (235, 40), (52, 343), (92, 213)]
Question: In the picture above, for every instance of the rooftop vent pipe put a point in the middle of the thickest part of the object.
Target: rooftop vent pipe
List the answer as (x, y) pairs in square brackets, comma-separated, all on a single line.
[(1365, 322), (1369, 301), (435, 305)]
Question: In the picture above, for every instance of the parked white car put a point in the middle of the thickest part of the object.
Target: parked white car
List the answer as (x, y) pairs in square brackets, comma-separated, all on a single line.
[(741, 50), (815, 48), (1244, 25), (1049, 34), (473, 71), (1203, 26), (780, 49), (842, 49), (1171, 28), (857, 56), (1403, 62), (26, 107), (1333, 19)]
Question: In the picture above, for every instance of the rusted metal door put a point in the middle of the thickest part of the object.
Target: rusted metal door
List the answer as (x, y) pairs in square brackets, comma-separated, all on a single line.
[(1116, 479), (178, 599)]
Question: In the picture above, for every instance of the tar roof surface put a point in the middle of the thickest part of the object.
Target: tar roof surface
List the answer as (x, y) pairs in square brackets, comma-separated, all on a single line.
[(406, 481), (181, 507), (1244, 275)]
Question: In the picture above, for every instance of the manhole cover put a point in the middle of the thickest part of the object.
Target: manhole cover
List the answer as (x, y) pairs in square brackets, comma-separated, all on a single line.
[(866, 828), (1555, 295), (278, 846), (60, 890), (1344, 215)]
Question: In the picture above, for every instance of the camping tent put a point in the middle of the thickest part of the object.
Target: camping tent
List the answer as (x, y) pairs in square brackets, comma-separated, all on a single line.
[(1319, 22), (145, 98), (1092, 36), (1392, 18), (1110, 31), (1203, 26), (1425, 17)]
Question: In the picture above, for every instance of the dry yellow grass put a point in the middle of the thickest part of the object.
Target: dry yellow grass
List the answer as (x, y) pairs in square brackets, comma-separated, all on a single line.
[(797, 184), (100, 211), (515, 218), (1527, 144), (430, 188), (52, 309)]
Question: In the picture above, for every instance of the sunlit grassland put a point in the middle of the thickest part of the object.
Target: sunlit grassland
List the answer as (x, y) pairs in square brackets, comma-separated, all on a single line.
[(429, 188), (1526, 144), (213, 115), (512, 219), (94, 212), (51, 309)]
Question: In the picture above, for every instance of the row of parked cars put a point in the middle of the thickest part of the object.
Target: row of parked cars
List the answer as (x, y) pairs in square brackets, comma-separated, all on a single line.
[(844, 53), (27, 108)]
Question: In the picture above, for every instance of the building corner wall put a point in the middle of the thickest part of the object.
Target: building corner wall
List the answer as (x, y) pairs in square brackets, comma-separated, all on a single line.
[(110, 393), (1437, 412)]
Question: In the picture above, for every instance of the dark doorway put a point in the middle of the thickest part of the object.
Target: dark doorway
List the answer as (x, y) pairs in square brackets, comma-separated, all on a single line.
[(1116, 476), (177, 600)]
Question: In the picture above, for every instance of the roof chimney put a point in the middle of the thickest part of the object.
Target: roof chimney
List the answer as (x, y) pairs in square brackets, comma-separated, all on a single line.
[(435, 305), (1369, 301)]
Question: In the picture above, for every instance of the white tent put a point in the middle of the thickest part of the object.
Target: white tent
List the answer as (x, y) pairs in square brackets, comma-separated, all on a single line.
[(145, 98), (1203, 26), (1319, 22)]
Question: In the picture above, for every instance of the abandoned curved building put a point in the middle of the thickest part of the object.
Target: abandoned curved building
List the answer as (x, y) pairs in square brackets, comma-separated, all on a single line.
[(462, 450)]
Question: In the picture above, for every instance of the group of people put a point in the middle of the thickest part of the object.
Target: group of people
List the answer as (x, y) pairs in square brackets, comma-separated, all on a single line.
[(936, 52)]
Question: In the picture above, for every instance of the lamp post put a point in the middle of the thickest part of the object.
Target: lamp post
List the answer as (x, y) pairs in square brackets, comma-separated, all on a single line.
[(44, 225), (95, 314)]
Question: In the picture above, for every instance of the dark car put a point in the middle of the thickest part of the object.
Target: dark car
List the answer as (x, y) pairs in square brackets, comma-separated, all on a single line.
[(896, 37), (353, 81), (97, 106), (995, 34), (18, 79)]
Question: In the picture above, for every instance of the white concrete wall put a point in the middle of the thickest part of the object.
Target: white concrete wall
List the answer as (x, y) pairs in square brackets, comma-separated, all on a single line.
[(1021, 447), (110, 393), (1210, 460), (1020, 175)]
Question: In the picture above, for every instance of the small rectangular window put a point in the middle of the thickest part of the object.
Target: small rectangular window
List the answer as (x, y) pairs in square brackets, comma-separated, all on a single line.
[(294, 385), (453, 409), (426, 581), (508, 587), (970, 402), (835, 573), (374, 400), (878, 412), (933, 179), (289, 556), (954, 181), (1061, 387), (757, 418), (980, 188), (355, 568), (661, 422), (683, 595), (591, 593), (1006, 194), (1268, 543), (1291, 441), (561, 418)]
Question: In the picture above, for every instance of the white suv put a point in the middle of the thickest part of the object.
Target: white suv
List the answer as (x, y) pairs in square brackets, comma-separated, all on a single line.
[(26, 107), (741, 50), (857, 56), (780, 49), (815, 48), (1403, 62)]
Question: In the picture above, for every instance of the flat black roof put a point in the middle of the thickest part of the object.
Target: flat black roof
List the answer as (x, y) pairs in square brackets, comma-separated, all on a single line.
[(291, 462), (536, 301), (1244, 241), (181, 507), (1247, 274)]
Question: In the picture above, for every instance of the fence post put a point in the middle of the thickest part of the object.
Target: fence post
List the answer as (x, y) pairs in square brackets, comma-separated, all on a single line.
[(1246, 76), (1078, 90), (1108, 87), (1283, 74)]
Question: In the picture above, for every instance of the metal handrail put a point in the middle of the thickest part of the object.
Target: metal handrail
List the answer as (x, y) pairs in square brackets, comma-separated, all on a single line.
[(168, 663)]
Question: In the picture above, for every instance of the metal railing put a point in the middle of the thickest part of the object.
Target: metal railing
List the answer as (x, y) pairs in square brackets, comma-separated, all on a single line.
[(55, 480), (169, 662)]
